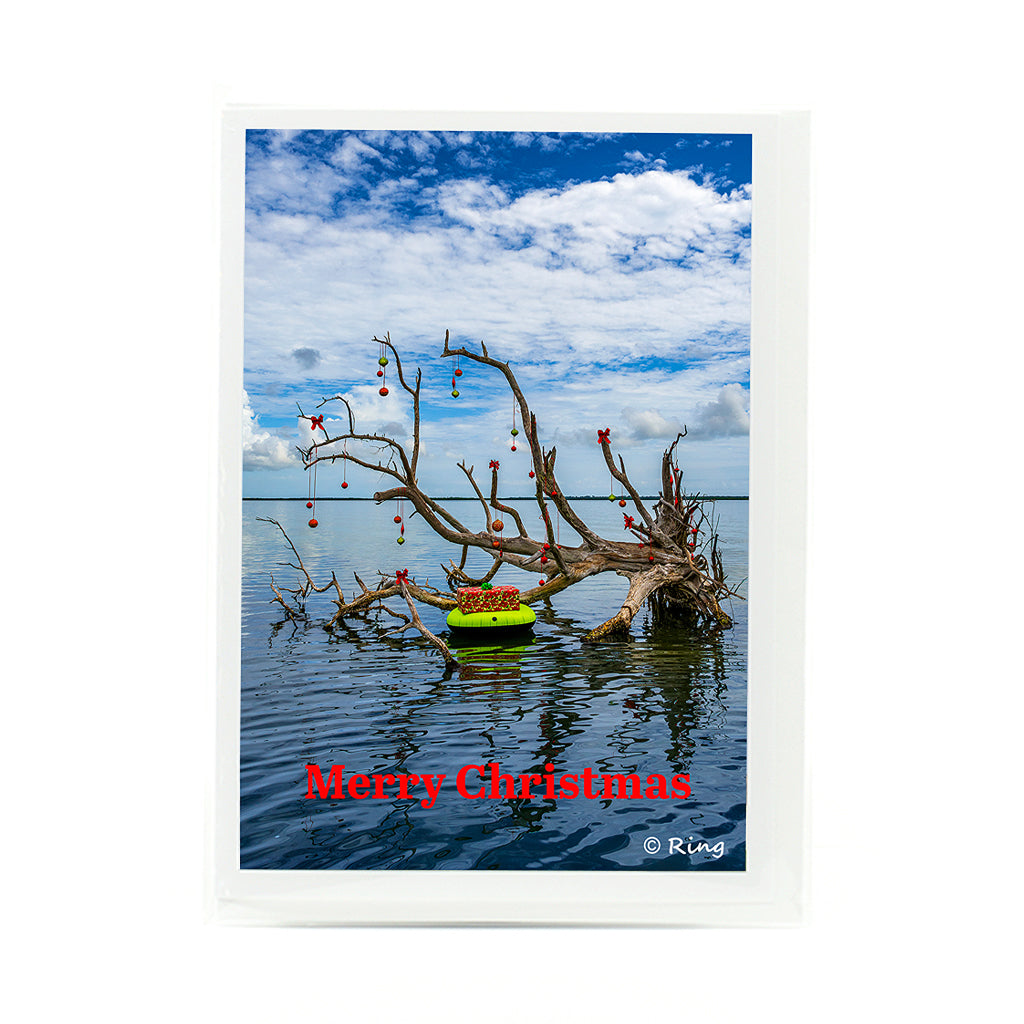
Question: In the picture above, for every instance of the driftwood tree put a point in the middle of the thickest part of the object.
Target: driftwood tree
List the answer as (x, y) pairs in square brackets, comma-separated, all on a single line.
[(670, 554)]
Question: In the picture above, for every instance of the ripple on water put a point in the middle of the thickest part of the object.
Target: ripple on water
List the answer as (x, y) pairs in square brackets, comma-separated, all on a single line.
[(667, 703)]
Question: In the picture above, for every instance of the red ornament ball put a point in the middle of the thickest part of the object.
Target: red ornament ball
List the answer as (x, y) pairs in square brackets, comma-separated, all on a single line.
[(532, 474), (398, 519), (650, 558), (383, 391), (513, 447), (313, 524), (343, 485), (458, 373), (622, 503), (309, 504), (543, 559), (495, 543), (554, 494), (547, 547), (498, 525), (380, 373)]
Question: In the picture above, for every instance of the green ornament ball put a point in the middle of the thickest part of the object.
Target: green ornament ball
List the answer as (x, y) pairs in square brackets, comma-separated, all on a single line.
[(455, 394), (401, 540), (611, 497), (515, 433), (383, 360)]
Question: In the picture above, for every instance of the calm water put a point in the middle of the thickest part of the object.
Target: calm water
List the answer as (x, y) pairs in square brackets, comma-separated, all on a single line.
[(665, 703)]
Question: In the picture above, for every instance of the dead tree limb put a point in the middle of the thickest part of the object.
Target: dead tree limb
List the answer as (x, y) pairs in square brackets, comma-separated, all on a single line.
[(673, 561)]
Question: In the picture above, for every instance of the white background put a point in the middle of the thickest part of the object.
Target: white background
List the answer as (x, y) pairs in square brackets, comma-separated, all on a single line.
[(110, 182)]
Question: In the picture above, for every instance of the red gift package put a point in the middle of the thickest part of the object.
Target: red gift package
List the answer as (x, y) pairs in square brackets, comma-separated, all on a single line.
[(493, 599)]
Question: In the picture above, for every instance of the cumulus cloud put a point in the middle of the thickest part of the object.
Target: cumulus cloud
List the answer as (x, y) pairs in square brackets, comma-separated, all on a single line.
[(645, 424), (628, 289), (727, 416), (260, 448)]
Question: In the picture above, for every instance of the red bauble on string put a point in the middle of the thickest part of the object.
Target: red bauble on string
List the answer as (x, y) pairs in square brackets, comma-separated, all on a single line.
[(650, 558), (343, 485), (543, 559), (554, 494), (383, 391), (313, 523), (309, 504), (513, 447), (532, 474), (547, 547), (498, 525), (622, 503), (495, 543), (380, 373), (398, 519), (458, 373)]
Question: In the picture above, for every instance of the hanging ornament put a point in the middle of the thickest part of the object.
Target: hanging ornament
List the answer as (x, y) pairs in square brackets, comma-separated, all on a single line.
[(399, 518), (311, 486), (515, 431), (622, 502), (382, 372), (456, 373), (532, 474), (344, 468)]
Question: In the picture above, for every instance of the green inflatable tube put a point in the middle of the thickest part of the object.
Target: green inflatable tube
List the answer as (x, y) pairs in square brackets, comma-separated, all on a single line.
[(522, 616)]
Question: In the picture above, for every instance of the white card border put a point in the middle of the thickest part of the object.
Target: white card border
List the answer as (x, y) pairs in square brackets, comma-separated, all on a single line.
[(773, 888)]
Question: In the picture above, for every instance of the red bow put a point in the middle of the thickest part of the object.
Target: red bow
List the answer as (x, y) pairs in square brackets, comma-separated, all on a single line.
[(603, 436), (317, 421), (494, 464), (401, 576), (629, 521)]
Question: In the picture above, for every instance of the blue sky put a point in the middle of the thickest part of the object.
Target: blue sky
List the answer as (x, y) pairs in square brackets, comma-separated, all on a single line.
[(611, 270)]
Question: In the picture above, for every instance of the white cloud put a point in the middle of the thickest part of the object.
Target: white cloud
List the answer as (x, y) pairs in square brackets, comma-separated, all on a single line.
[(261, 449), (570, 285), (726, 416)]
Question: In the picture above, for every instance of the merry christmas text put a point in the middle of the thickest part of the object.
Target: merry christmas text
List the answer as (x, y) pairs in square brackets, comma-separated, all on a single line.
[(489, 782)]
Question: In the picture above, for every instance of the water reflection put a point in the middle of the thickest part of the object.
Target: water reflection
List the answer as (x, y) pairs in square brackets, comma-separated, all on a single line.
[(666, 703)]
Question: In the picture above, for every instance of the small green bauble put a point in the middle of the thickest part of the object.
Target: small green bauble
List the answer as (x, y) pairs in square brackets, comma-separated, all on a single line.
[(455, 394), (611, 497), (383, 360), (401, 540), (515, 433)]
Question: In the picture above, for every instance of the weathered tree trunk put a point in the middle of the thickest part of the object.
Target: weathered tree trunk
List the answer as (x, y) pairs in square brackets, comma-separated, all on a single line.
[(670, 555)]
